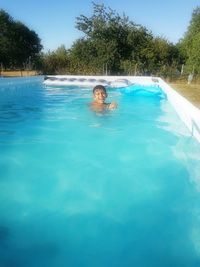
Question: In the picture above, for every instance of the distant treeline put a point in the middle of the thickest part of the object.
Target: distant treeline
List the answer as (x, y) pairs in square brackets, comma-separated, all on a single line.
[(112, 44)]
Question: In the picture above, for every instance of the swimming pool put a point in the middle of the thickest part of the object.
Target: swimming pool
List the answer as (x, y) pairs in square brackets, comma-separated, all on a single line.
[(78, 188)]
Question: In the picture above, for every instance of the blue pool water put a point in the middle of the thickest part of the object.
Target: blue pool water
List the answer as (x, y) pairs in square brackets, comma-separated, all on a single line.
[(78, 189)]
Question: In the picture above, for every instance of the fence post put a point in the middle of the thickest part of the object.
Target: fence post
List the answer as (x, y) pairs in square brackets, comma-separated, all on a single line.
[(135, 72), (190, 78), (182, 68)]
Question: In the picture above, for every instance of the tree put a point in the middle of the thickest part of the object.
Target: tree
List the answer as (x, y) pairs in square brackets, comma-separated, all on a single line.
[(84, 57), (5, 37), (189, 45), (56, 61), (113, 38), (119, 44), (18, 44)]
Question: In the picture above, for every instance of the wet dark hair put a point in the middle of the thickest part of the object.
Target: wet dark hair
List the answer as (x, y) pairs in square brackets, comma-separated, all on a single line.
[(101, 87)]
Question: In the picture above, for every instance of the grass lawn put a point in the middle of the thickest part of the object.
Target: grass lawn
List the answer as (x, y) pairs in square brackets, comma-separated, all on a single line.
[(190, 91)]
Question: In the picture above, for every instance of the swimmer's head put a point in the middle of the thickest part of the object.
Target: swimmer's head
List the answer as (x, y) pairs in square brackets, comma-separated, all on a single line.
[(100, 94), (99, 87)]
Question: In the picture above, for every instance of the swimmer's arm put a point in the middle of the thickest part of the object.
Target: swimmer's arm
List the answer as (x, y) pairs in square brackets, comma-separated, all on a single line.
[(112, 105)]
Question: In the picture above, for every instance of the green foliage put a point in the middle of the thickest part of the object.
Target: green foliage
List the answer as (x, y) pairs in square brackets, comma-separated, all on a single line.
[(119, 44), (112, 37), (18, 44), (190, 44), (56, 62)]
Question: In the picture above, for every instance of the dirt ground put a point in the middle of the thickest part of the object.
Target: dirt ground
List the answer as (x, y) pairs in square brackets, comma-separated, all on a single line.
[(18, 73), (190, 91)]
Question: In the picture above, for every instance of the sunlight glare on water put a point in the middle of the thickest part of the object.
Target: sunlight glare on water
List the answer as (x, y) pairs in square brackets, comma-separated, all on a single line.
[(79, 188)]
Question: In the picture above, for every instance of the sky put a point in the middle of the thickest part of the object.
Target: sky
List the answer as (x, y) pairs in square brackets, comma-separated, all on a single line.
[(54, 21)]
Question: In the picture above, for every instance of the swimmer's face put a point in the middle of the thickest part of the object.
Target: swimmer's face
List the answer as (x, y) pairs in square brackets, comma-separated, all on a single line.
[(100, 96)]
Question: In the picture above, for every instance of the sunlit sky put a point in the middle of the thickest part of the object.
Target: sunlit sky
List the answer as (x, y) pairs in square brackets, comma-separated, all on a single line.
[(54, 21)]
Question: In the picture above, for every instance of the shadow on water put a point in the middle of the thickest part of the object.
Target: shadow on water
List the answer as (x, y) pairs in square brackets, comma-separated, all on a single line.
[(147, 221), (21, 101), (41, 254), (4, 234)]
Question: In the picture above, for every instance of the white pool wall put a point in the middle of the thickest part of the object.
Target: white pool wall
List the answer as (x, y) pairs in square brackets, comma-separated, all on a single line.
[(187, 112)]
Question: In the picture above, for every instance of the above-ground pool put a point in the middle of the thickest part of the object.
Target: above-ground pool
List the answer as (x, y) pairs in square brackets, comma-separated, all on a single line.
[(83, 189)]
